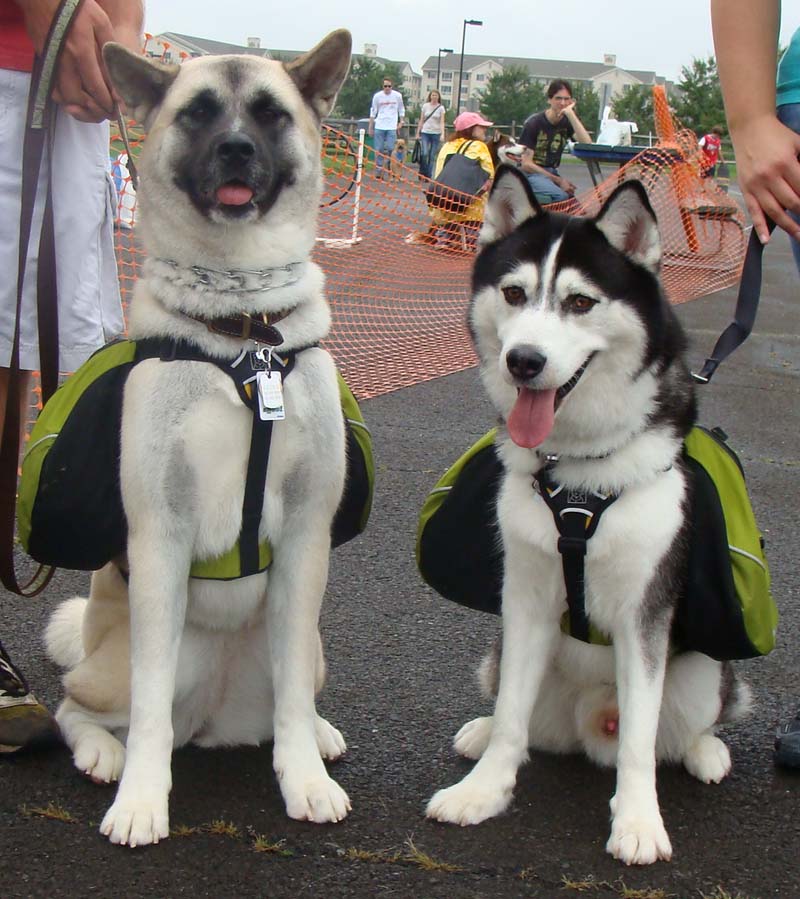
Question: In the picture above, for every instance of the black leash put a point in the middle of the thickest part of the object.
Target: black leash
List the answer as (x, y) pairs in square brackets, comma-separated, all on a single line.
[(746, 308), (39, 127)]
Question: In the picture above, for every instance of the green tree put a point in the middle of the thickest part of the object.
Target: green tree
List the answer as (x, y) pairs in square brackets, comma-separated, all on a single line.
[(511, 96), (587, 105), (636, 105), (364, 79), (698, 103)]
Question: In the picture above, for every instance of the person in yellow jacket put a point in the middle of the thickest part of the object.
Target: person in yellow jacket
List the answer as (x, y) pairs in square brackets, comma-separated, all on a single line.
[(459, 230)]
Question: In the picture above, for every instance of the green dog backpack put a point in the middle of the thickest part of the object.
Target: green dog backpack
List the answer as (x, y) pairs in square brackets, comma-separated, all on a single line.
[(69, 504), (726, 610)]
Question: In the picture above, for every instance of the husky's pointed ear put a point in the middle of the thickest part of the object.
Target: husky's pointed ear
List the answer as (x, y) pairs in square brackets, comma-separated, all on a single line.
[(629, 224), (511, 202), (140, 82), (320, 73)]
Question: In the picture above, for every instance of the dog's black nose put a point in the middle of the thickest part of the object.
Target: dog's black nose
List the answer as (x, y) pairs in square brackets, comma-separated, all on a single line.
[(525, 362), (236, 147)]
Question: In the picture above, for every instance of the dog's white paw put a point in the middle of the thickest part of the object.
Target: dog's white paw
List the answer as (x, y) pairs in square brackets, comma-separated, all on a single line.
[(330, 742), (473, 738), (468, 802), (317, 799), (100, 756), (639, 841), (137, 822), (708, 759)]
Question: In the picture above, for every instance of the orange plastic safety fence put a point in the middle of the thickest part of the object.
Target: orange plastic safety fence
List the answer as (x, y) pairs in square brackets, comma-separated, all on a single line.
[(398, 275)]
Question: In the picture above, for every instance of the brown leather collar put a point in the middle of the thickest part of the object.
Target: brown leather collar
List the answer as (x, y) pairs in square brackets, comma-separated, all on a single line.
[(258, 327)]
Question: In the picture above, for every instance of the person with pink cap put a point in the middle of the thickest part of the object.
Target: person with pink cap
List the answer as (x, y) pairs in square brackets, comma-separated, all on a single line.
[(461, 228)]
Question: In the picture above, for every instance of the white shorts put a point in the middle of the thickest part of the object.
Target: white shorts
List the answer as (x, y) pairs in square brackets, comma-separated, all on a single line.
[(89, 307)]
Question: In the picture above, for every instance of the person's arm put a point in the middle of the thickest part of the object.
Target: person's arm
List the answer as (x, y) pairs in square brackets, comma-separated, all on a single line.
[(443, 120), (373, 114), (82, 85), (577, 125), (766, 151), (421, 120), (401, 111)]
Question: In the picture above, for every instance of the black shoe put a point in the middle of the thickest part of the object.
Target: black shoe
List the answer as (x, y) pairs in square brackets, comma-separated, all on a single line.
[(787, 744), (24, 722)]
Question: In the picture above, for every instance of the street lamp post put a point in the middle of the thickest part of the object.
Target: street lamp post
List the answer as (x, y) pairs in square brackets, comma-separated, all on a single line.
[(461, 64), (439, 67)]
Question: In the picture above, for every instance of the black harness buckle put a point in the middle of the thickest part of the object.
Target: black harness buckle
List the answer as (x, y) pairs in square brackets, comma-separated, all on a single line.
[(571, 544)]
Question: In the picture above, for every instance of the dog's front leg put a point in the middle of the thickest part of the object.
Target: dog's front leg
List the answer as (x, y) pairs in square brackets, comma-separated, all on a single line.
[(157, 596), (530, 638), (296, 587), (638, 836)]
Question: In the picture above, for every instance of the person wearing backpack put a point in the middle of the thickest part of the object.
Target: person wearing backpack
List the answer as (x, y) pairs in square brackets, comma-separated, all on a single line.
[(458, 222), (766, 142)]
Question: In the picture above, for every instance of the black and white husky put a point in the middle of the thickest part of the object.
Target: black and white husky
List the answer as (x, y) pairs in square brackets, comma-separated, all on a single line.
[(582, 357)]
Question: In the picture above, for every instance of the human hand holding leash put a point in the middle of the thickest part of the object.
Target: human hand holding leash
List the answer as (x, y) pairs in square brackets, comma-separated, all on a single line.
[(82, 87), (768, 172)]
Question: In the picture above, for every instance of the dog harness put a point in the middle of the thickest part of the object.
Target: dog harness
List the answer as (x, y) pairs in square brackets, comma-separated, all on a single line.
[(576, 514), (249, 556)]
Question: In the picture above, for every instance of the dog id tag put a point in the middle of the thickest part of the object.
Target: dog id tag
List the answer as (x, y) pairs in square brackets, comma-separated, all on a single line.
[(270, 396)]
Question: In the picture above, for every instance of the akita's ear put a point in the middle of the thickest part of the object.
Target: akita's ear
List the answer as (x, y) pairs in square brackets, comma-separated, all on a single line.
[(629, 224), (511, 202), (140, 82), (320, 73)]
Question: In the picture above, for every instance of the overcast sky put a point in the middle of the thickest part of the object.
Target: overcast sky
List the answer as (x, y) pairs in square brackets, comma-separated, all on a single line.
[(660, 36)]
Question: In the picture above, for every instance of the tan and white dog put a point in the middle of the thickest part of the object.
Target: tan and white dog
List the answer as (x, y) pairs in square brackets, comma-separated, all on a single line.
[(229, 192)]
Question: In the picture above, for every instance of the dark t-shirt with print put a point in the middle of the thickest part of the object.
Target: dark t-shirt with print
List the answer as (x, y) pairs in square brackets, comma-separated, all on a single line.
[(545, 139)]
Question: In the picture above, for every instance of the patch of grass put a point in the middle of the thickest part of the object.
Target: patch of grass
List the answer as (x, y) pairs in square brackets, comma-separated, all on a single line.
[(184, 830), (368, 855), (51, 810), (720, 893), (262, 844), (422, 860), (619, 887), (223, 828), (629, 893)]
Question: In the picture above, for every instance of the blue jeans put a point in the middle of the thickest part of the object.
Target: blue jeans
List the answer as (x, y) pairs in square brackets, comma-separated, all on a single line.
[(429, 147), (546, 191), (383, 141), (789, 115)]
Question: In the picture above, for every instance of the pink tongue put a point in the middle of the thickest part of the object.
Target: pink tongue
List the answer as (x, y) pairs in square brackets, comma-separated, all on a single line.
[(531, 419), (234, 194)]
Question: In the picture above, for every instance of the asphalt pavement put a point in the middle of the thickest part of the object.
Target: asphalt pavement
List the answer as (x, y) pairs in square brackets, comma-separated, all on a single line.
[(401, 665)]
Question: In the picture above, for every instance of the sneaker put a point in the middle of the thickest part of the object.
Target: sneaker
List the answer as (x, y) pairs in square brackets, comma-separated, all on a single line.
[(24, 722), (787, 744)]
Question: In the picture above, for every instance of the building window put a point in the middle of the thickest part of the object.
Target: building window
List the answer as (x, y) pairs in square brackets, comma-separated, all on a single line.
[(446, 89), (447, 76), (480, 78)]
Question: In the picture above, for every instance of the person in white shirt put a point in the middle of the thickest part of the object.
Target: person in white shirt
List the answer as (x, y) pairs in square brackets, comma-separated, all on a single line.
[(386, 116)]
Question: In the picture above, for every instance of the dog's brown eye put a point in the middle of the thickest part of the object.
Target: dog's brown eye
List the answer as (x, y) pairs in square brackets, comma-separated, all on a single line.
[(577, 302), (515, 295), (265, 112), (201, 110)]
